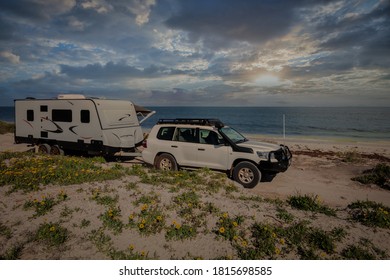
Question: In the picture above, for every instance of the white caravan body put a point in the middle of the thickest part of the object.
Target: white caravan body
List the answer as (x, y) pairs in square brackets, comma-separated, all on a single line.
[(73, 122)]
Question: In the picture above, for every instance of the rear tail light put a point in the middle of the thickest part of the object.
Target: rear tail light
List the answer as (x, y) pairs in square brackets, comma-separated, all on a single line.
[(145, 143)]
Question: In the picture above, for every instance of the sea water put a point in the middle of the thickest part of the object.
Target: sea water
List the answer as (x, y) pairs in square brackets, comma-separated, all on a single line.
[(335, 122)]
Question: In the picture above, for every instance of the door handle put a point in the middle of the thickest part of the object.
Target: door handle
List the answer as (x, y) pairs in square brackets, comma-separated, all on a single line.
[(201, 149), (174, 146)]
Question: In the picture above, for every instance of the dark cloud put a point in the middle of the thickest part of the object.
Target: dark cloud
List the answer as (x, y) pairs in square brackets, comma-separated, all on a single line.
[(115, 71), (252, 21), (36, 10)]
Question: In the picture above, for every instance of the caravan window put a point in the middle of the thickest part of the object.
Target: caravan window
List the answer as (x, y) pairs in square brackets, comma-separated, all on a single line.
[(30, 115), (84, 116), (61, 115)]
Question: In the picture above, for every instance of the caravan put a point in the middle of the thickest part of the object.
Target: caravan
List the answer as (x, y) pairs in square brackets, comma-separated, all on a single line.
[(75, 123)]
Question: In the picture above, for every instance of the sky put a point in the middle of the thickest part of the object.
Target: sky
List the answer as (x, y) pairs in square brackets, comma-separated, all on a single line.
[(198, 52)]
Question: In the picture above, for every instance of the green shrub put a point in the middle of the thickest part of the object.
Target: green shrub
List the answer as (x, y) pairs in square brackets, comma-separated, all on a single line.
[(52, 233), (370, 213), (6, 127), (310, 203), (379, 175)]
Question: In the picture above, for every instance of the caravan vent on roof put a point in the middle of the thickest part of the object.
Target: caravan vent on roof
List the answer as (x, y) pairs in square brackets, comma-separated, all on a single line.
[(70, 96)]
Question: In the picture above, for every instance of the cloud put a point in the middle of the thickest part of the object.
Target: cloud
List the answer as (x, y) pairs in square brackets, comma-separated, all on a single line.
[(37, 9), (252, 21), (9, 57), (141, 9)]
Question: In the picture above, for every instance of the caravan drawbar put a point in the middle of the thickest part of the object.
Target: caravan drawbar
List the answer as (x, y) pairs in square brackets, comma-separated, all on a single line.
[(74, 122)]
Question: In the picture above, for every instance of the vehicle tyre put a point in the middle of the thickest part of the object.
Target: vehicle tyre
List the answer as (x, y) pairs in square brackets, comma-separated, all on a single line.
[(247, 174), (166, 162), (56, 150), (44, 149)]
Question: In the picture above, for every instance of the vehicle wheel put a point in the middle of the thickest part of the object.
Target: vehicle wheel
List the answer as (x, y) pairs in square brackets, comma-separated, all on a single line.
[(166, 162), (44, 149), (56, 150), (247, 174)]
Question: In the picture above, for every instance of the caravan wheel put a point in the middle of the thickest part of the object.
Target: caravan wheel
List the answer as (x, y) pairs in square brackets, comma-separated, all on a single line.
[(56, 150), (44, 149)]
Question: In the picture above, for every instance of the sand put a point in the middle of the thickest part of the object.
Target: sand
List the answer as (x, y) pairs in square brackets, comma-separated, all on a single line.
[(318, 168)]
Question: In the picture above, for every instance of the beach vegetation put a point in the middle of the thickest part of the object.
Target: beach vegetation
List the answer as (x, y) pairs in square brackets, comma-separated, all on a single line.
[(180, 231), (363, 250), (379, 175), (13, 253), (24, 171), (6, 127), (5, 231), (311, 203), (52, 234), (370, 213), (272, 242), (150, 219), (129, 254), (111, 219), (284, 215), (228, 227), (41, 206), (101, 240), (104, 199), (351, 157)]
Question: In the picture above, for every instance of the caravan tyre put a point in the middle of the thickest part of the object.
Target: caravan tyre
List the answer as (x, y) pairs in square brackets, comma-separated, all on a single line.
[(44, 149), (166, 162), (56, 150)]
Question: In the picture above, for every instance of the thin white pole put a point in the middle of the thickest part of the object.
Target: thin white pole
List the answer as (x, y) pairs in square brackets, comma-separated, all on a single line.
[(284, 127)]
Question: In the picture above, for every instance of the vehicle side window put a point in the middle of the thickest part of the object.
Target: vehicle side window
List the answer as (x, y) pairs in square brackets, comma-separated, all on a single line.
[(186, 135), (210, 137), (165, 133)]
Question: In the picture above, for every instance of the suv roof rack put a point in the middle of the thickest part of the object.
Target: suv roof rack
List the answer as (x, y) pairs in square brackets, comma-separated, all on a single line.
[(213, 122)]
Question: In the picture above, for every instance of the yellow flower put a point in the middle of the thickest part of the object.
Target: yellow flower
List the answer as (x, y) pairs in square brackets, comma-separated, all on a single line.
[(131, 217), (131, 247), (144, 207), (235, 224), (225, 215), (141, 226), (277, 251), (244, 243), (221, 229), (52, 228), (159, 218), (178, 226), (143, 221), (282, 241)]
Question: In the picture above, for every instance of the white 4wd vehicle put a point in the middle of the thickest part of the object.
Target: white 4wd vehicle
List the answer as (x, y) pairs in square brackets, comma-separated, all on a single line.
[(196, 143)]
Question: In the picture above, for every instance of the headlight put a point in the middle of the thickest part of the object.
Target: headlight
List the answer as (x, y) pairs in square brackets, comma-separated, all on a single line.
[(263, 155)]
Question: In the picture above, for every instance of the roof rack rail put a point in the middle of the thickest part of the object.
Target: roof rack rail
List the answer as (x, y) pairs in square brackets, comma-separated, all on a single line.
[(213, 122)]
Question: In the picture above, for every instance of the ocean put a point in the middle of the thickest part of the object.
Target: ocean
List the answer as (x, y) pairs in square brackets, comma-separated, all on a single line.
[(372, 123)]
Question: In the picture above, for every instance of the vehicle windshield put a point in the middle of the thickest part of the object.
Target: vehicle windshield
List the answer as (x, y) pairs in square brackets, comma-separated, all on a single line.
[(233, 135)]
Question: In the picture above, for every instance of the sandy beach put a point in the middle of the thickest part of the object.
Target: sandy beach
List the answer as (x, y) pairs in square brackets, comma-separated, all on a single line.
[(319, 169)]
